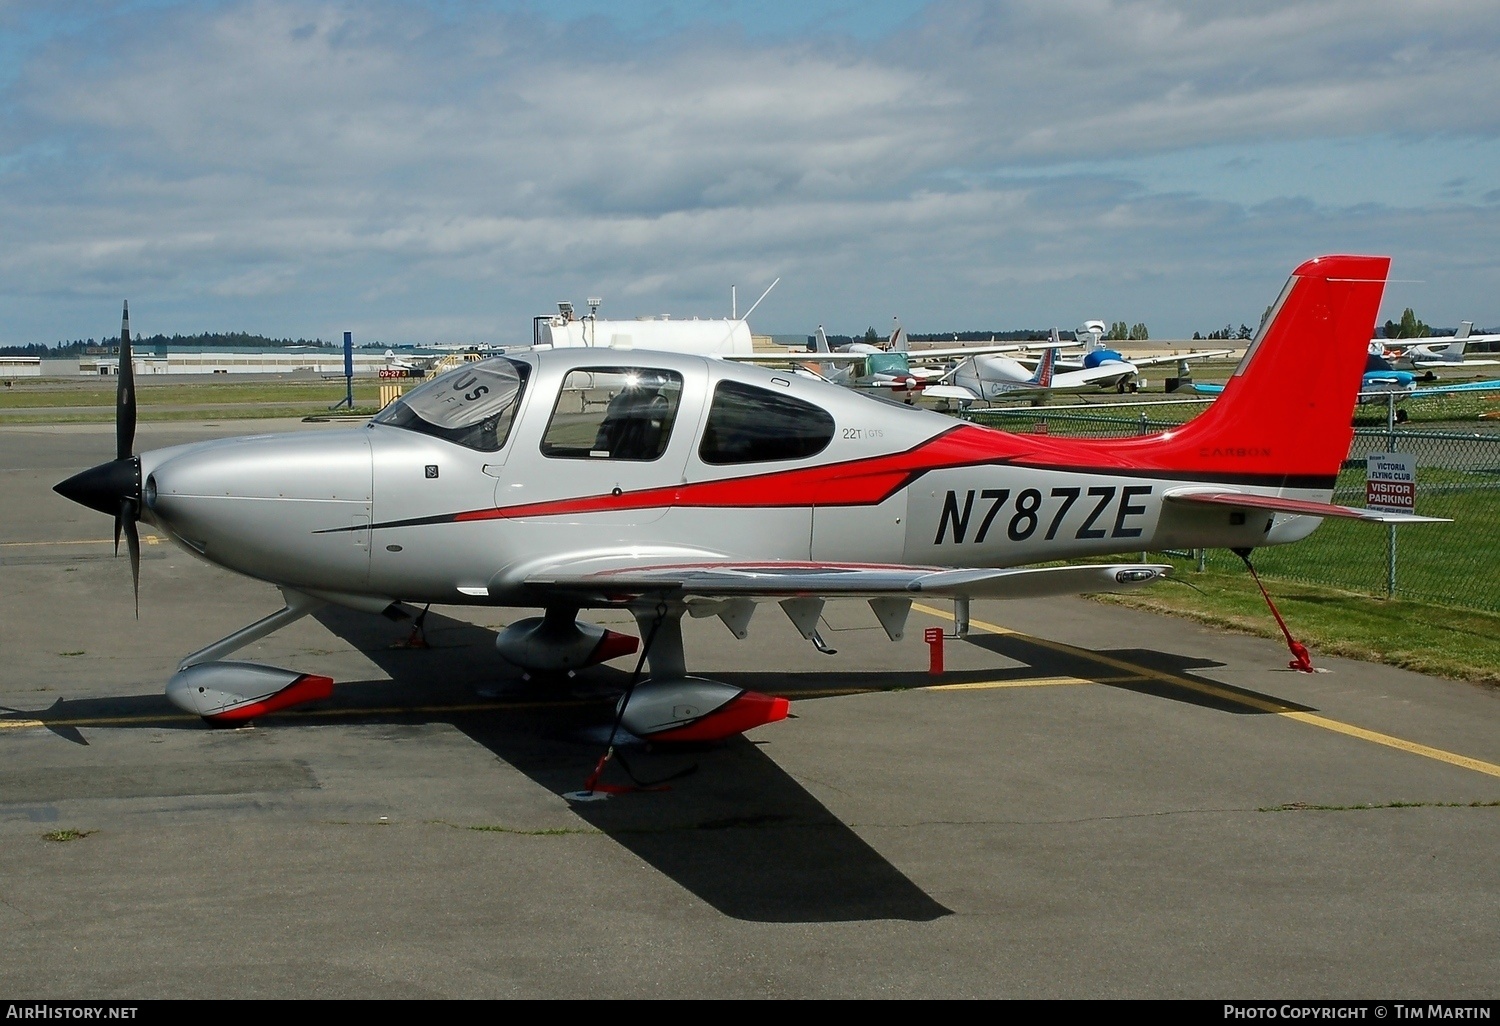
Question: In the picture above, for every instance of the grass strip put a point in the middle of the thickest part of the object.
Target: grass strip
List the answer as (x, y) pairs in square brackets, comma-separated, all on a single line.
[(1441, 641)]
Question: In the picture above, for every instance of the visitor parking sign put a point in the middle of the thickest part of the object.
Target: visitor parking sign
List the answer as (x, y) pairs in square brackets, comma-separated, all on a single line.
[(1391, 482)]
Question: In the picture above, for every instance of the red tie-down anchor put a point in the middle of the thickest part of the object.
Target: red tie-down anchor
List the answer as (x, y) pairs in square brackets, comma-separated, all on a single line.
[(934, 638)]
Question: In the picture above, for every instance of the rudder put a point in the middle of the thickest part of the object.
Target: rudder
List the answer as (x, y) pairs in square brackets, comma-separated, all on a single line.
[(1289, 405)]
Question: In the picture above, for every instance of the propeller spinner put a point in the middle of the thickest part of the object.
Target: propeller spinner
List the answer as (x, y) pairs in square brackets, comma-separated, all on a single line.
[(115, 487)]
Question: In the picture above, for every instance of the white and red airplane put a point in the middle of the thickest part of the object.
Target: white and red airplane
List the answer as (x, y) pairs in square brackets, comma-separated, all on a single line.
[(671, 484), (1432, 351)]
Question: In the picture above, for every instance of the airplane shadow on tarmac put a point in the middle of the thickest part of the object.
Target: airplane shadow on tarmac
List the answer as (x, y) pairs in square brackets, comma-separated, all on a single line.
[(727, 824), (1201, 691), (733, 828)]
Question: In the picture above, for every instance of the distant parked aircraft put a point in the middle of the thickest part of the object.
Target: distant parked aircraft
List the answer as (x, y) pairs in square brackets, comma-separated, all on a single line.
[(895, 367), (990, 378), (1381, 381), (1098, 354), (1433, 350)]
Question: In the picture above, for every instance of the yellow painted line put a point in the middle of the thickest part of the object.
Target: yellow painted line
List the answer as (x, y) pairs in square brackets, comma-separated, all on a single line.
[(149, 539), (118, 721), (1396, 742), (1134, 673), (823, 693), (1251, 701), (403, 710), (1027, 682), (977, 685), (1120, 664)]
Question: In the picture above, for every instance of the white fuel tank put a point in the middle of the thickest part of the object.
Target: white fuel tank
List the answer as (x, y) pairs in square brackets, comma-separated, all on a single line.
[(699, 337)]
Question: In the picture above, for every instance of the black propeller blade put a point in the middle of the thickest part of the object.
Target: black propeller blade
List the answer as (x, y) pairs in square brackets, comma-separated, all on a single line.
[(115, 487), (125, 393), (125, 450), (127, 515)]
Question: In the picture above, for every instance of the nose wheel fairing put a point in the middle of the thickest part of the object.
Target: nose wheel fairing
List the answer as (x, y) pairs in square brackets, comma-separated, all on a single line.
[(234, 692)]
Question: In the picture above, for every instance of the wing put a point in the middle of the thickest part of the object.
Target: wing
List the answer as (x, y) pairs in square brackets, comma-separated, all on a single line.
[(914, 356), (1468, 386), (1206, 354), (959, 352), (1091, 375), (956, 393), (1304, 507), (1423, 364), (794, 356), (587, 583)]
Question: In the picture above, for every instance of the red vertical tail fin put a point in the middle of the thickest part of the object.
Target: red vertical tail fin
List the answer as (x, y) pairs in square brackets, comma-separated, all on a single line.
[(1287, 411)]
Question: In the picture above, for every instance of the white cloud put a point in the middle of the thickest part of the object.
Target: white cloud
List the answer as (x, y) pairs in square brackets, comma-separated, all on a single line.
[(458, 171)]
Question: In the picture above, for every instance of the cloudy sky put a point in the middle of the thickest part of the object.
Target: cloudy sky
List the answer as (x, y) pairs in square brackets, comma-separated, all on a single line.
[(442, 171)]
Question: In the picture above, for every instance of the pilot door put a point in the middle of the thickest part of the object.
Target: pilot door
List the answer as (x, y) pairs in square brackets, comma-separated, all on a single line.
[(612, 451)]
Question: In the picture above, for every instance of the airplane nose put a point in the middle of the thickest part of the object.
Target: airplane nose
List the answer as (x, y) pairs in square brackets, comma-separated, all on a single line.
[(105, 486), (292, 508)]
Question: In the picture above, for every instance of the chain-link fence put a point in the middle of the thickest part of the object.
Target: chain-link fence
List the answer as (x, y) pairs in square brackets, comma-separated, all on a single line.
[(1458, 477)]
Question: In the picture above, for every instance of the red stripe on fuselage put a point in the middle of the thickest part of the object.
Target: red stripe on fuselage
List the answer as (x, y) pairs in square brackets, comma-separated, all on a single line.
[(868, 482), (852, 483)]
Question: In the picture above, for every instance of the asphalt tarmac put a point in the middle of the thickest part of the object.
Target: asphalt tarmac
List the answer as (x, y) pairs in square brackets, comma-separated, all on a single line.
[(1090, 802)]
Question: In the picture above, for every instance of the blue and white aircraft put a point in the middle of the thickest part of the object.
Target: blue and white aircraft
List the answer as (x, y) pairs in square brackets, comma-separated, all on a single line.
[(1381, 380)]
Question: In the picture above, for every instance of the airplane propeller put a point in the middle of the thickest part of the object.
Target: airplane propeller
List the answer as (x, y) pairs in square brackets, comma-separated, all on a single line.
[(115, 487)]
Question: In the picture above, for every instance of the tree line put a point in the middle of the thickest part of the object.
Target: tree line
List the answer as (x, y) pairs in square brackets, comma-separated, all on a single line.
[(144, 343), (1409, 326)]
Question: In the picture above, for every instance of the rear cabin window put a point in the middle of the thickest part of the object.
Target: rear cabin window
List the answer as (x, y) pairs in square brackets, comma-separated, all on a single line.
[(747, 424), (613, 413)]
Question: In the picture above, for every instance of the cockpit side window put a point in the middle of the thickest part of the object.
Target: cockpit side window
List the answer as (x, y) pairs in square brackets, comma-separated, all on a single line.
[(747, 424), (473, 405), (613, 413)]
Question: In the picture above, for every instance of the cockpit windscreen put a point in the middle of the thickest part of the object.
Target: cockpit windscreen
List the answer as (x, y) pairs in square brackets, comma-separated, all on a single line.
[(473, 405)]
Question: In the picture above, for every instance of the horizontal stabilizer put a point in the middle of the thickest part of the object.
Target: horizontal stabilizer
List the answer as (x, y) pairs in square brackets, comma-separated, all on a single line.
[(1303, 507), (954, 392)]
